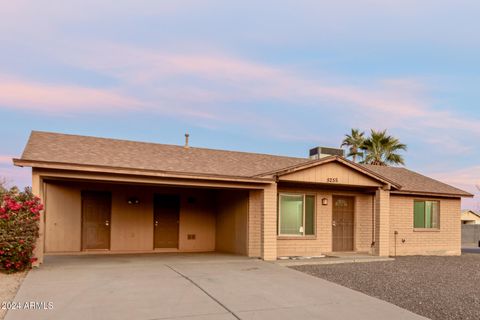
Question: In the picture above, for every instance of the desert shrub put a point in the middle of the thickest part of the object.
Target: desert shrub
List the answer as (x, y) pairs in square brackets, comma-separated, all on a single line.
[(19, 217)]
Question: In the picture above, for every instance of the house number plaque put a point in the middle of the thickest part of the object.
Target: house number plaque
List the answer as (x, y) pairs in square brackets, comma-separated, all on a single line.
[(332, 179)]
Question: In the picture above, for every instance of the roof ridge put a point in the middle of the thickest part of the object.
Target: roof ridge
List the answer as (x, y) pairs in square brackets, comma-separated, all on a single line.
[(166, 144)]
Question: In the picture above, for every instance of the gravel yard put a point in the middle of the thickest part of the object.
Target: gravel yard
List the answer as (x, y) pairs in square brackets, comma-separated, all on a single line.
[(9, 284), (434, 287)]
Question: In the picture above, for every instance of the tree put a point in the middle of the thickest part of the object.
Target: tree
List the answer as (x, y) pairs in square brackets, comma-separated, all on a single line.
[(354, 142), (382, 149)]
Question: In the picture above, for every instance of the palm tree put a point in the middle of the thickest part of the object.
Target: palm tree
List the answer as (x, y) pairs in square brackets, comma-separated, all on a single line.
[(382, 149), (354, 142)]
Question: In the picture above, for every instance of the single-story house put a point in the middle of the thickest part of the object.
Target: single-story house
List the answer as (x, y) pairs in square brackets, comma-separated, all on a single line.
[(470, 217), (117, 196)]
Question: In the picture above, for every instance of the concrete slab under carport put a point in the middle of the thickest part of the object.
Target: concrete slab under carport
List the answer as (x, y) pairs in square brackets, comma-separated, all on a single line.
[(189, 286)]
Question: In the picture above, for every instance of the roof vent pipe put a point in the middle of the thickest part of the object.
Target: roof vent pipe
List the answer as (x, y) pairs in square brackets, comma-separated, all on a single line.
[(186, 140)]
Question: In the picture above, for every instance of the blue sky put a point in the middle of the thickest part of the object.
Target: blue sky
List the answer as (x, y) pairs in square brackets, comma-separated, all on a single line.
[(273, 76)]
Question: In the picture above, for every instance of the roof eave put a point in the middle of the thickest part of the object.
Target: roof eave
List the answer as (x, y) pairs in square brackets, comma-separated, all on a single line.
[(135, 171), (434, 194)]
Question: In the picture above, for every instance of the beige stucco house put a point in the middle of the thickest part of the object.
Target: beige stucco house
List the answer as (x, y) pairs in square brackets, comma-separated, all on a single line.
[(116, 196), (470, 217)]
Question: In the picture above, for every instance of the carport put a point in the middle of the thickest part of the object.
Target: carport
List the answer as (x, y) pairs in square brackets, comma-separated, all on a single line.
[(92, 217)]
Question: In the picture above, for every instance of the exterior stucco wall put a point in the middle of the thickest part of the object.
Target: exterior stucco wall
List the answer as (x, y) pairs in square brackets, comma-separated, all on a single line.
[(197, 218), (63, 218), (444, 241), (231, 223), (131, 225)]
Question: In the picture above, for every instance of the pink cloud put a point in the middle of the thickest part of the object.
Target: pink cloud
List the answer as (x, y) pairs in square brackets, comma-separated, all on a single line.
[(467, 179), (21, 177), (216, 66), (465, 176), (242, 78), (400, 99), (390, 102), (273, 82), (22, 94), (163, 80), (13, 175), (6, 160)]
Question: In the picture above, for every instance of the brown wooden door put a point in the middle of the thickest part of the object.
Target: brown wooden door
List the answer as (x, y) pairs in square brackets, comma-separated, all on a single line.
[(342, 223), (96, 220), (166, 221)]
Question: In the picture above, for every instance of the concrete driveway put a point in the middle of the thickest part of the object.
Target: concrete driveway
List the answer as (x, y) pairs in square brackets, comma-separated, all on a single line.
[(188, 286)]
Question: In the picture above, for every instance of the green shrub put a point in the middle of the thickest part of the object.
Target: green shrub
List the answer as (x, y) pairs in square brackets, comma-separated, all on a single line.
[(19, 216)]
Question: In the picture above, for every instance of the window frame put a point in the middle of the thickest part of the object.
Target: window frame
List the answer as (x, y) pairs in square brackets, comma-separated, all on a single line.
[(425, 215), (303, 235)]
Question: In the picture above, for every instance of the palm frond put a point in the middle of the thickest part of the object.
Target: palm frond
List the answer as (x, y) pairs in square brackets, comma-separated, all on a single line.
[(382, 149)]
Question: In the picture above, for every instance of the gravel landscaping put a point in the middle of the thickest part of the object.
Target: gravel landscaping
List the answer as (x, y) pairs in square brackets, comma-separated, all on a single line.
[(9, 284), (434, 287)]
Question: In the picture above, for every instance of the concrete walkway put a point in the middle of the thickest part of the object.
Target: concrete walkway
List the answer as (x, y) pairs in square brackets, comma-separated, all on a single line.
[(333, 259), (189, 286)]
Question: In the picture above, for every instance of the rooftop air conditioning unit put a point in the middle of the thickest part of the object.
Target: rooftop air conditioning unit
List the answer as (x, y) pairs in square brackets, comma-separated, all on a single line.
[(322, 152)]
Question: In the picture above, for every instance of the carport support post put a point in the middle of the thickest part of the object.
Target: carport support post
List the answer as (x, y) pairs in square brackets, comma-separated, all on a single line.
[(269, 223), (382, 221), (37, 190)]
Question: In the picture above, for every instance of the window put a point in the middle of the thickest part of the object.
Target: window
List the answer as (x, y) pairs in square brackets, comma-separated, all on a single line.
[(426, 214), (296, 215)]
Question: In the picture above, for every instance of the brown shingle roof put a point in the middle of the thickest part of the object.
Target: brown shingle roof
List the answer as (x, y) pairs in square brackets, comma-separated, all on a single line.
[(415, 182), (101, 152), (75, 149)]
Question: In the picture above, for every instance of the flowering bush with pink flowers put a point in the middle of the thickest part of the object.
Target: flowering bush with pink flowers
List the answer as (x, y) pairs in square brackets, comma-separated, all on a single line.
[(19, 216)]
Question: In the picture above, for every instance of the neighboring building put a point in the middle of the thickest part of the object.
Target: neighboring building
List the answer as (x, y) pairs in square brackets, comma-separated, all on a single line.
[(105, 195), (470, 217)]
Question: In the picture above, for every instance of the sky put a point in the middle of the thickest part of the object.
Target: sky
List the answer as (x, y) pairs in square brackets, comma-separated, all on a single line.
[(274, 77)]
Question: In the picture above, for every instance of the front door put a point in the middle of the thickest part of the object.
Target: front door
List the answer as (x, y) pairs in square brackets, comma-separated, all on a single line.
[(342, 223), (165, 220), (96, 220)]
